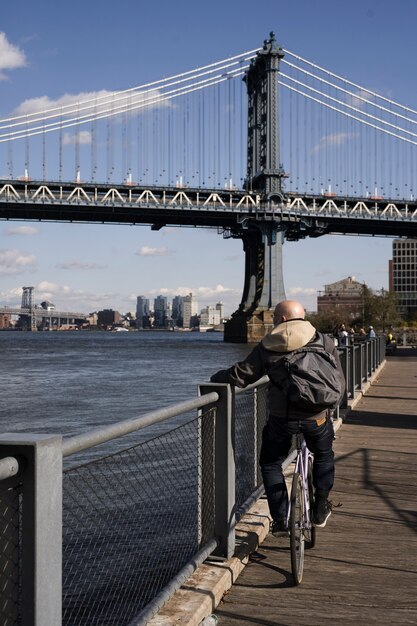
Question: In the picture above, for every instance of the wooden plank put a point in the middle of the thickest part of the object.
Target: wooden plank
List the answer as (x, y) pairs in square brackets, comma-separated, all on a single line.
[(363, 569)]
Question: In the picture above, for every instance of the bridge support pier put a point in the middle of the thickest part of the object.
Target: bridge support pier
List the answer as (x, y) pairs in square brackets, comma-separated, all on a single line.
[(263, 287)]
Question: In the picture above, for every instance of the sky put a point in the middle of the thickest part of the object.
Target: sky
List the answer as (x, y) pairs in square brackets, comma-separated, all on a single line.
[(48, 53)]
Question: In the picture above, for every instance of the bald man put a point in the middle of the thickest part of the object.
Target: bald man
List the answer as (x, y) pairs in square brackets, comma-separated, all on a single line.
[(291, 332)]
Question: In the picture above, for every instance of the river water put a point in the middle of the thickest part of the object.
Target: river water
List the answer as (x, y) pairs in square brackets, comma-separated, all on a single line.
[(70, 382)]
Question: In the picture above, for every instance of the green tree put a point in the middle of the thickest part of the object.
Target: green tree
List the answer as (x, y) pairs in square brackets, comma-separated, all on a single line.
[(380, 309)]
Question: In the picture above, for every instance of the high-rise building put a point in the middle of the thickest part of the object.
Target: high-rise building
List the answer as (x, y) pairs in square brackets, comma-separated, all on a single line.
[(403, 275), (142, 312), (187, 310), (177, 310), (220, 309), (160, 307)]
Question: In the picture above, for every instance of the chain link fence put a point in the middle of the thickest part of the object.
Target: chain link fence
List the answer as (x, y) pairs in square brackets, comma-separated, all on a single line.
[(11, 502), (132, 520)]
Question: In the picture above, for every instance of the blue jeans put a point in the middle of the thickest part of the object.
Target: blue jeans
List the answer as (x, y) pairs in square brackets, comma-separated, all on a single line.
[(276, 444)]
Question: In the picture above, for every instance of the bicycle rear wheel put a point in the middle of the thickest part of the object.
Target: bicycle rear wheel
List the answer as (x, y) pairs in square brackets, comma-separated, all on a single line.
[(297, 529), (311, 534)]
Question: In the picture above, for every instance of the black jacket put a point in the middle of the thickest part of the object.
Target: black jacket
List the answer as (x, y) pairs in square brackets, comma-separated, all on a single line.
[(283, 339)]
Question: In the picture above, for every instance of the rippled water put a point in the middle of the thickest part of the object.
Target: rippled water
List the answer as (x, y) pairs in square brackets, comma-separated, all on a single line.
[(70, 382)]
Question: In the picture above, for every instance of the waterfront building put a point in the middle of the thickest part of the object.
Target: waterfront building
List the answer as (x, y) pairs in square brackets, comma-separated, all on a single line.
[(107, 318), (344, 296), (188, 310), (5, 320), (220, 309), (160, 310), (403, 276), (176, 314), (142, 312), (210, 316)]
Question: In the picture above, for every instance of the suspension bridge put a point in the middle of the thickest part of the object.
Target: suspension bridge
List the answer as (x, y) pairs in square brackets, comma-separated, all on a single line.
[(32, 316), (262, 146)]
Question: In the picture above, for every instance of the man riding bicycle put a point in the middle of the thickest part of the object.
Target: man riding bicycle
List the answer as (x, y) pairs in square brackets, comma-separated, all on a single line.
[(291, 332)]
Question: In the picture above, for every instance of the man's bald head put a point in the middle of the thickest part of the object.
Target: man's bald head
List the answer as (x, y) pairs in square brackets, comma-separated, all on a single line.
[(288, 310)]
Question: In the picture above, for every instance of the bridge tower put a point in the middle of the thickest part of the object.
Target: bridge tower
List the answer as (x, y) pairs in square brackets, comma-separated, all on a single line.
[(28, 304), (262, 240)]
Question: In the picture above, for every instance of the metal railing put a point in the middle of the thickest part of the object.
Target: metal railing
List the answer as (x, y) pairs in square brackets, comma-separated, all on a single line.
[(108, 540)]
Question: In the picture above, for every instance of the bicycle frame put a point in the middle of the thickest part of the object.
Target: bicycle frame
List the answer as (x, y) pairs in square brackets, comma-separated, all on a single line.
[(301, 466), (302, 530)]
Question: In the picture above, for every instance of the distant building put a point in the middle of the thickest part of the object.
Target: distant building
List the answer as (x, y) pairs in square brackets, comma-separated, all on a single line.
[(143, 312), (107, 318), (210, 316), (403, 275), (176, 313), (188, 310), (160, 311), (220, 309), (343, 296), (48, 306), (5, 320)]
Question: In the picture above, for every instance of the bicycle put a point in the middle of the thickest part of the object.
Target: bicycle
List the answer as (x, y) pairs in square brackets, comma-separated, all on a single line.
[(300, 525)]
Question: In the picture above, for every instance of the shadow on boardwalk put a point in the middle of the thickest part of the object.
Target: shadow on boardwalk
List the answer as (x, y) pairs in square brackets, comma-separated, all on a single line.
[(363, 569)]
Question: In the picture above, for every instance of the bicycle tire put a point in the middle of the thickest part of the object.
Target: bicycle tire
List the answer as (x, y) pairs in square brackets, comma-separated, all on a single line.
[(297, 529), (311, 541)]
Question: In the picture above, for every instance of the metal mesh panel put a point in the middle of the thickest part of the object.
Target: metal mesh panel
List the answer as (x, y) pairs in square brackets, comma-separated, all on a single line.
[(10, 554), (250, 418), (262, 407), (132, 521)]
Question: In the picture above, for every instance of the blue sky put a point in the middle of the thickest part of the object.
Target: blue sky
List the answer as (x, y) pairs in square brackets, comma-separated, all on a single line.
[(50, 51)]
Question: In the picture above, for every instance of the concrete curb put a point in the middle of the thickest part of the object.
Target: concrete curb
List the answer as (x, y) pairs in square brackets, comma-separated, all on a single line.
[(203, 591)]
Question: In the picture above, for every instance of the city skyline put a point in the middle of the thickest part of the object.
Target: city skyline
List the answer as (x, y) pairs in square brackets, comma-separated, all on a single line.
[(91, 267)]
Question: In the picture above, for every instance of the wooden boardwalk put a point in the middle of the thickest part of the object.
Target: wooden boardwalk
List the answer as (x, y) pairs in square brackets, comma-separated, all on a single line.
[(363, 569)]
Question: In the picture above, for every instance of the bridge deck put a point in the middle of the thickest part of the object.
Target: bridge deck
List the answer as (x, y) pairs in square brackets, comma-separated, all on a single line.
[(363, 569)]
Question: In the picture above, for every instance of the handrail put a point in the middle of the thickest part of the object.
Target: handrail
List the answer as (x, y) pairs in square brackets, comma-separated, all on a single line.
[(101, 435), (9, 466)]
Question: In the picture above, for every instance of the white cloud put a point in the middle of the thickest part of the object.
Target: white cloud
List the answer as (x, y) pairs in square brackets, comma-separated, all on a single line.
[(360, 99), (15, 262), (50, 289), (147, 251), (82, 137), (306, 295), (12, 297), (36, 105), (11, 57), (335, 139), (96, 101), (21, 230)]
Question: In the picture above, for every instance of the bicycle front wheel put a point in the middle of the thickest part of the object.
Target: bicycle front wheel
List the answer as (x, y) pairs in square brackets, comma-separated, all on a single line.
[(297, 529)]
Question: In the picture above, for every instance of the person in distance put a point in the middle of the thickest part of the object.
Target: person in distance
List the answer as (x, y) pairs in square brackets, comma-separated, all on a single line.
[(290, 333)]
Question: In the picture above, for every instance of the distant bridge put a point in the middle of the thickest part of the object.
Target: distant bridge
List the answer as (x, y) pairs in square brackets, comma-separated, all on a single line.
[(31, 314)]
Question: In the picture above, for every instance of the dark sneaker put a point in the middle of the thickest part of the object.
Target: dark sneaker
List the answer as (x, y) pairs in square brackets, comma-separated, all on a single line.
[(322, 509), (279, 528)]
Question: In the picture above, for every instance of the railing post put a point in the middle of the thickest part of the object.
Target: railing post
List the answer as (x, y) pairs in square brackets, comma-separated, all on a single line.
[(224, 469), (352, 370), (39, 514), (343, 355)]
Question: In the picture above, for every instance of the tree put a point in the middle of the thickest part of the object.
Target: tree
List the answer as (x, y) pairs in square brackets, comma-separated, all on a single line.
[(380, 309)]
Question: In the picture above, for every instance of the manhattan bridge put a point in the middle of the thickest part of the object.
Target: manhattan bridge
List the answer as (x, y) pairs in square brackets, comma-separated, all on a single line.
[(262, 146)]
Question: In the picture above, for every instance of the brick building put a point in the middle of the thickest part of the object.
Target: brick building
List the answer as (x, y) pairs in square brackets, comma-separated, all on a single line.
[(344, 295)]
